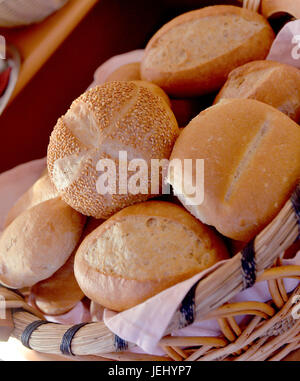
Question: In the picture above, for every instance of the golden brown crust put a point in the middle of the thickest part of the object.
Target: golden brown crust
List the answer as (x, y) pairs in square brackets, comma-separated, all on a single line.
[(38, 242), (120, 292), (117, 116), (210, 75), (270, 82), (252, 164)]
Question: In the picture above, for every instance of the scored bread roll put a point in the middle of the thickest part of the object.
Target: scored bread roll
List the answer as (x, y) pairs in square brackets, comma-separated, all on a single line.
[(194, 53), (251, 155), (41, 190), (61, 292), (116, 116), (142, 250), (128, 72), (270, 82), (38, 242)]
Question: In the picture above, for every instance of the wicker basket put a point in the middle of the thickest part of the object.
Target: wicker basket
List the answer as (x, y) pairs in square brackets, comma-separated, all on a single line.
[(270, 332)]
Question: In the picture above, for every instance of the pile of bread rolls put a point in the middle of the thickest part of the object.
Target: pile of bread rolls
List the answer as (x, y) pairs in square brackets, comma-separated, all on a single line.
[(64, 240)]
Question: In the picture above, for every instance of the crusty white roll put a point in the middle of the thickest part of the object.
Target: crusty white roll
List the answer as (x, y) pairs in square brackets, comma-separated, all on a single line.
[(113, 117), (38, 242), (251, 155), (42, 190), (142, 250), (194, 53), (270, 82)]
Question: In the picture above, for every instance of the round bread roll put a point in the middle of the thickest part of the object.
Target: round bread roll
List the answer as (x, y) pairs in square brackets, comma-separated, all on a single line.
[(114, 117), (38, 242), (128, 72), (142, 250), (194, 53), (251, 155), (270, 82), (61, 292), (41, 190)]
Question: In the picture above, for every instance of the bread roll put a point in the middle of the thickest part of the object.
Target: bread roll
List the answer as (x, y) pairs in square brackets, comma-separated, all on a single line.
[(61, 292), (270, 82), (251, 155), (142, 250), (114, 117), (128, 72), (38, 242), (41, 190), (194, 53)]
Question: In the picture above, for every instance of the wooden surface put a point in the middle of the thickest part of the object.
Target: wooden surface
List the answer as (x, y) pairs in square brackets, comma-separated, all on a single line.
[(36, 43)]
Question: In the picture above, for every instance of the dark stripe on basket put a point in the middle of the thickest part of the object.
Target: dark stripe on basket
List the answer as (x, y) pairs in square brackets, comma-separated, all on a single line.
[(187, 308), (120, 344), (295, 199), (66, 342), (28, 331), (248, 265)]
